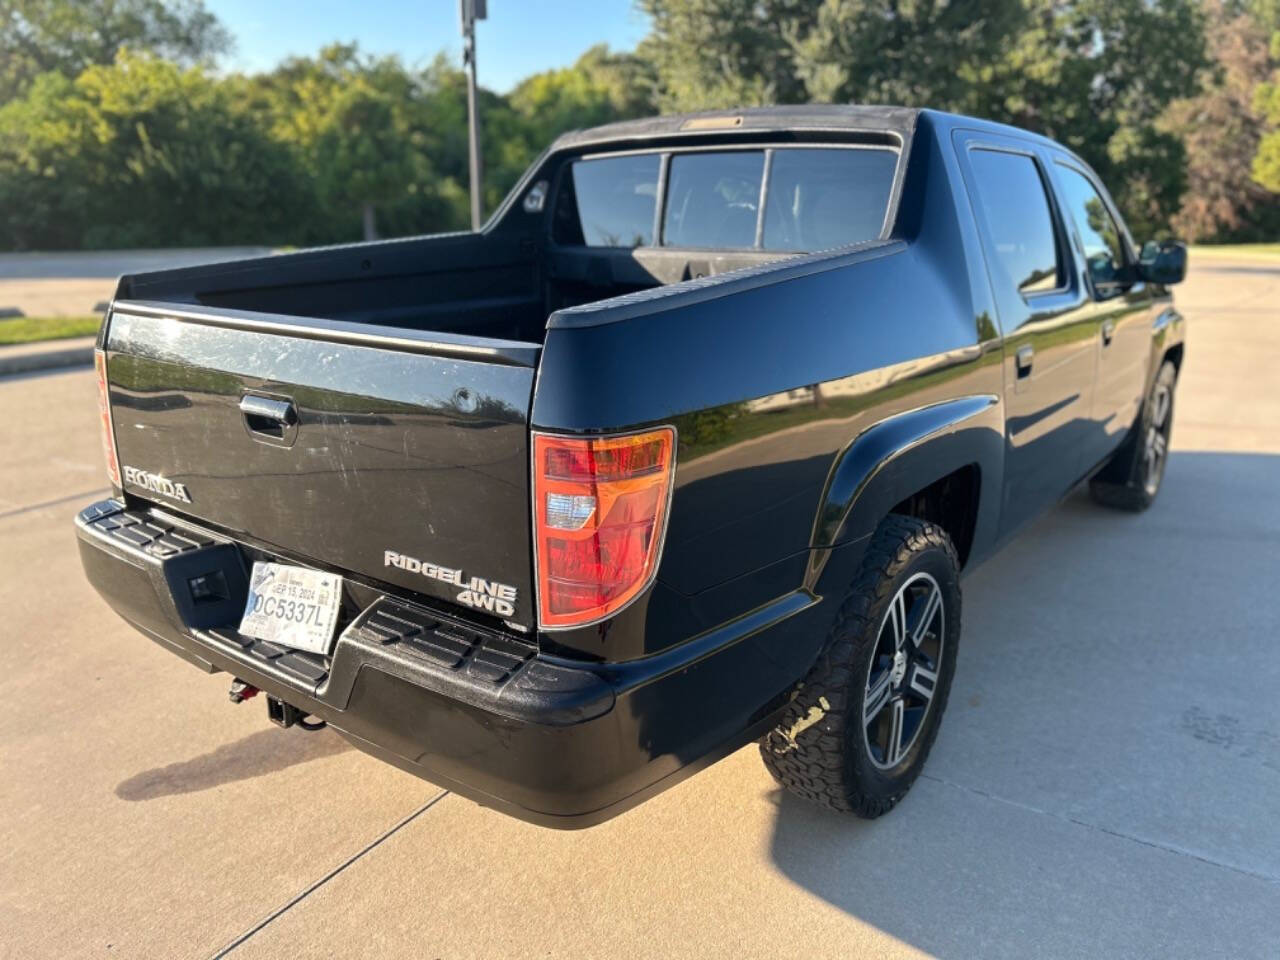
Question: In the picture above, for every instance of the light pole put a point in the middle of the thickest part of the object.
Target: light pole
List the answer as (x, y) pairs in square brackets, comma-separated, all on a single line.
[(473, 10)]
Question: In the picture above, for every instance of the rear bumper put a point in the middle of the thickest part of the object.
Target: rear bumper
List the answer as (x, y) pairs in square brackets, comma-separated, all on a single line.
[(480, 712)]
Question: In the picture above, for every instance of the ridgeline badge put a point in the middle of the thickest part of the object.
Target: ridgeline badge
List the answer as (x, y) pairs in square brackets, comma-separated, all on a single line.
[(478, 592)]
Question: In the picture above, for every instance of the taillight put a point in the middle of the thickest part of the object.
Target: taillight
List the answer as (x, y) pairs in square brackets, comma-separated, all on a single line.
[(104, 416), (600, 513)]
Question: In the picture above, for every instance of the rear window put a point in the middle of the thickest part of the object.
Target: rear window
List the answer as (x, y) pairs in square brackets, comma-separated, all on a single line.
[(713, 199), (826, 198), (817, 198), (609, 202)]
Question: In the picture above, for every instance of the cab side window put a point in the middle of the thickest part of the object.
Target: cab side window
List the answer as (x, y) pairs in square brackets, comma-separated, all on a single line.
[(1011, 195), (1103, 246), (608, 202)]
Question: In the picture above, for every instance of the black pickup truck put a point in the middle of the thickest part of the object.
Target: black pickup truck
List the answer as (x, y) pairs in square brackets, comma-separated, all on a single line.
[(687, 447)]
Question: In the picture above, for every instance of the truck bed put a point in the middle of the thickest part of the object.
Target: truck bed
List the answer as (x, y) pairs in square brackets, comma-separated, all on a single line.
[(492, 285)]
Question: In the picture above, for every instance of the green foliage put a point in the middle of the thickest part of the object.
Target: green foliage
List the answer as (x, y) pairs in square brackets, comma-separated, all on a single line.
[(67, 36), (1266, 163), (1096, 74), (600, 88), (114, 131), (354, 125), (141, 152), (322, 149), (883, 51), (719, 53), (1221, 129)]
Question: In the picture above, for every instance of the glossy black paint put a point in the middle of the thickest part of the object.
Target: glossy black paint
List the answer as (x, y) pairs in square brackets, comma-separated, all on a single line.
[(392, 449), (812, 395)]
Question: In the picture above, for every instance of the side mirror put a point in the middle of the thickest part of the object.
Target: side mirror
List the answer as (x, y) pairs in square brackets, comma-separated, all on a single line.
[(1163, 263)]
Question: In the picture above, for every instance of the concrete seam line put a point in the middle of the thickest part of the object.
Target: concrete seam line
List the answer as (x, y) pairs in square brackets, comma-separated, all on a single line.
[(328, 876), (1154, 844), (52, 503)]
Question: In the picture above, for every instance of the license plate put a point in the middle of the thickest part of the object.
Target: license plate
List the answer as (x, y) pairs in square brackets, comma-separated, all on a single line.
[(292, 606)]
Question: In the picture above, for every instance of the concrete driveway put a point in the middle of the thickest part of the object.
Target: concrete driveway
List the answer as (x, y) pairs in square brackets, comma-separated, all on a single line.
[(1106, 782), (75, 283)]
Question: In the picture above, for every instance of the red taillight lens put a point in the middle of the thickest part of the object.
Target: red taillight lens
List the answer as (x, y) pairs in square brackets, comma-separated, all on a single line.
[(104, 416), (600, 512)]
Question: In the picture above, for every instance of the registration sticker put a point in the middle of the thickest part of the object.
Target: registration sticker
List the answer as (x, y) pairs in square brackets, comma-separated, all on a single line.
[(292, 606)]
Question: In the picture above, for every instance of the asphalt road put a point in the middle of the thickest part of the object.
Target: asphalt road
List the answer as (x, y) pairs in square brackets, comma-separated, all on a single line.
[(1106, 781)]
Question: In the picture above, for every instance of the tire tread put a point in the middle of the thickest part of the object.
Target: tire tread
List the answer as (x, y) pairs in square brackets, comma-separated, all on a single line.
[(819, 769)]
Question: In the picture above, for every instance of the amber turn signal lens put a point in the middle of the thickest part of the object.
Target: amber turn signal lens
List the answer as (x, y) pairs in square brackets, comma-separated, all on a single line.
[(600, 514)]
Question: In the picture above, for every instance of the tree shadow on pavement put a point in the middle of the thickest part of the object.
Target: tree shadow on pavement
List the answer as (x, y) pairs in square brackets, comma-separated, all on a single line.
[(1073, 805), (253, 756)]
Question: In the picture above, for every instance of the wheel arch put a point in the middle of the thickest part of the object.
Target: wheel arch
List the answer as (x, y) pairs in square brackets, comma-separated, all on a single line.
[(1168, 338), (943, 462)]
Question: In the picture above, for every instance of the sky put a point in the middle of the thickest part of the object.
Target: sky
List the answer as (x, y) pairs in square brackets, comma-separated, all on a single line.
[(520, 37)]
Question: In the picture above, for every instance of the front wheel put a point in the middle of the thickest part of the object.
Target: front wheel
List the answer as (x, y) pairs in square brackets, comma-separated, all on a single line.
[(857, 733), (1133, 477)]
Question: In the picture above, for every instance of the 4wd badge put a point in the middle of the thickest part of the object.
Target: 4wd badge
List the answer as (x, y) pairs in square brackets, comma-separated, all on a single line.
[(479, 593)]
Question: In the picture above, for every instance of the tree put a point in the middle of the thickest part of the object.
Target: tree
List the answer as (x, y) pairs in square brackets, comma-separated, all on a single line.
[(1095, 74), (599, 88), (1101, 75), (141, 152), (884, 51), (67, 36), (1221, 131), (720, 53), (348, 118), (1266, 163)]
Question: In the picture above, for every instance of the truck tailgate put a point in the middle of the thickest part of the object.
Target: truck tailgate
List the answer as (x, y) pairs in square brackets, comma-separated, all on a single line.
[(396, 456)]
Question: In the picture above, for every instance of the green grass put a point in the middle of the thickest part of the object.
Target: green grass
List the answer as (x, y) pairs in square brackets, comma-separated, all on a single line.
[(31, 329), (1268, 250)]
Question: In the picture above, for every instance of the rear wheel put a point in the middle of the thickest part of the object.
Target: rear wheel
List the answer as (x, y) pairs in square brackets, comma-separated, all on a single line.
[(861, 725), (1133, 477)]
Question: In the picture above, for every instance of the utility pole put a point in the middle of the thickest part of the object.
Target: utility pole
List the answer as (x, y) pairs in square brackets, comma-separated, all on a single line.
[(473, 10)]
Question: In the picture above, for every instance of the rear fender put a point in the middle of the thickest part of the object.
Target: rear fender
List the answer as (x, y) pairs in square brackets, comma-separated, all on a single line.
[(897, 457)]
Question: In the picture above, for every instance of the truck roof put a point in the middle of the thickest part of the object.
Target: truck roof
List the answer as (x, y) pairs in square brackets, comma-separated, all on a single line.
[(747, 120), (799, 118)]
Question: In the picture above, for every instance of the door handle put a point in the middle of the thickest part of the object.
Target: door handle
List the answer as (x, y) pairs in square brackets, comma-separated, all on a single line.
[(1023, 359), (265, 408), (1108, 331), (270, 420)]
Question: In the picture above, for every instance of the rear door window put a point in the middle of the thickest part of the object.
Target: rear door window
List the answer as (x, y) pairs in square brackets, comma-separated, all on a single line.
[(1103, 248), (826, 198), (713, 199), (1011, 195), (608, 202)]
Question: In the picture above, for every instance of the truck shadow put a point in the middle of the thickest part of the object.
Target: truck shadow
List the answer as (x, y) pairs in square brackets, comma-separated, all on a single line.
[(1066, 810), (263, 752)]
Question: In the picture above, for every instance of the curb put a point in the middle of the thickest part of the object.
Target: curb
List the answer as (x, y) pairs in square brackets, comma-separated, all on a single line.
[(53, 355)]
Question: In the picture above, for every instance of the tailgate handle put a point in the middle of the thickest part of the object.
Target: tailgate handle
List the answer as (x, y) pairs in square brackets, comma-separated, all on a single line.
[(270, 420)]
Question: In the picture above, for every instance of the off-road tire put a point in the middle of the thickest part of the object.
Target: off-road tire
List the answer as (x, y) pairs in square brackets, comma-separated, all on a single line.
[(820, 750), (1128, 481)]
